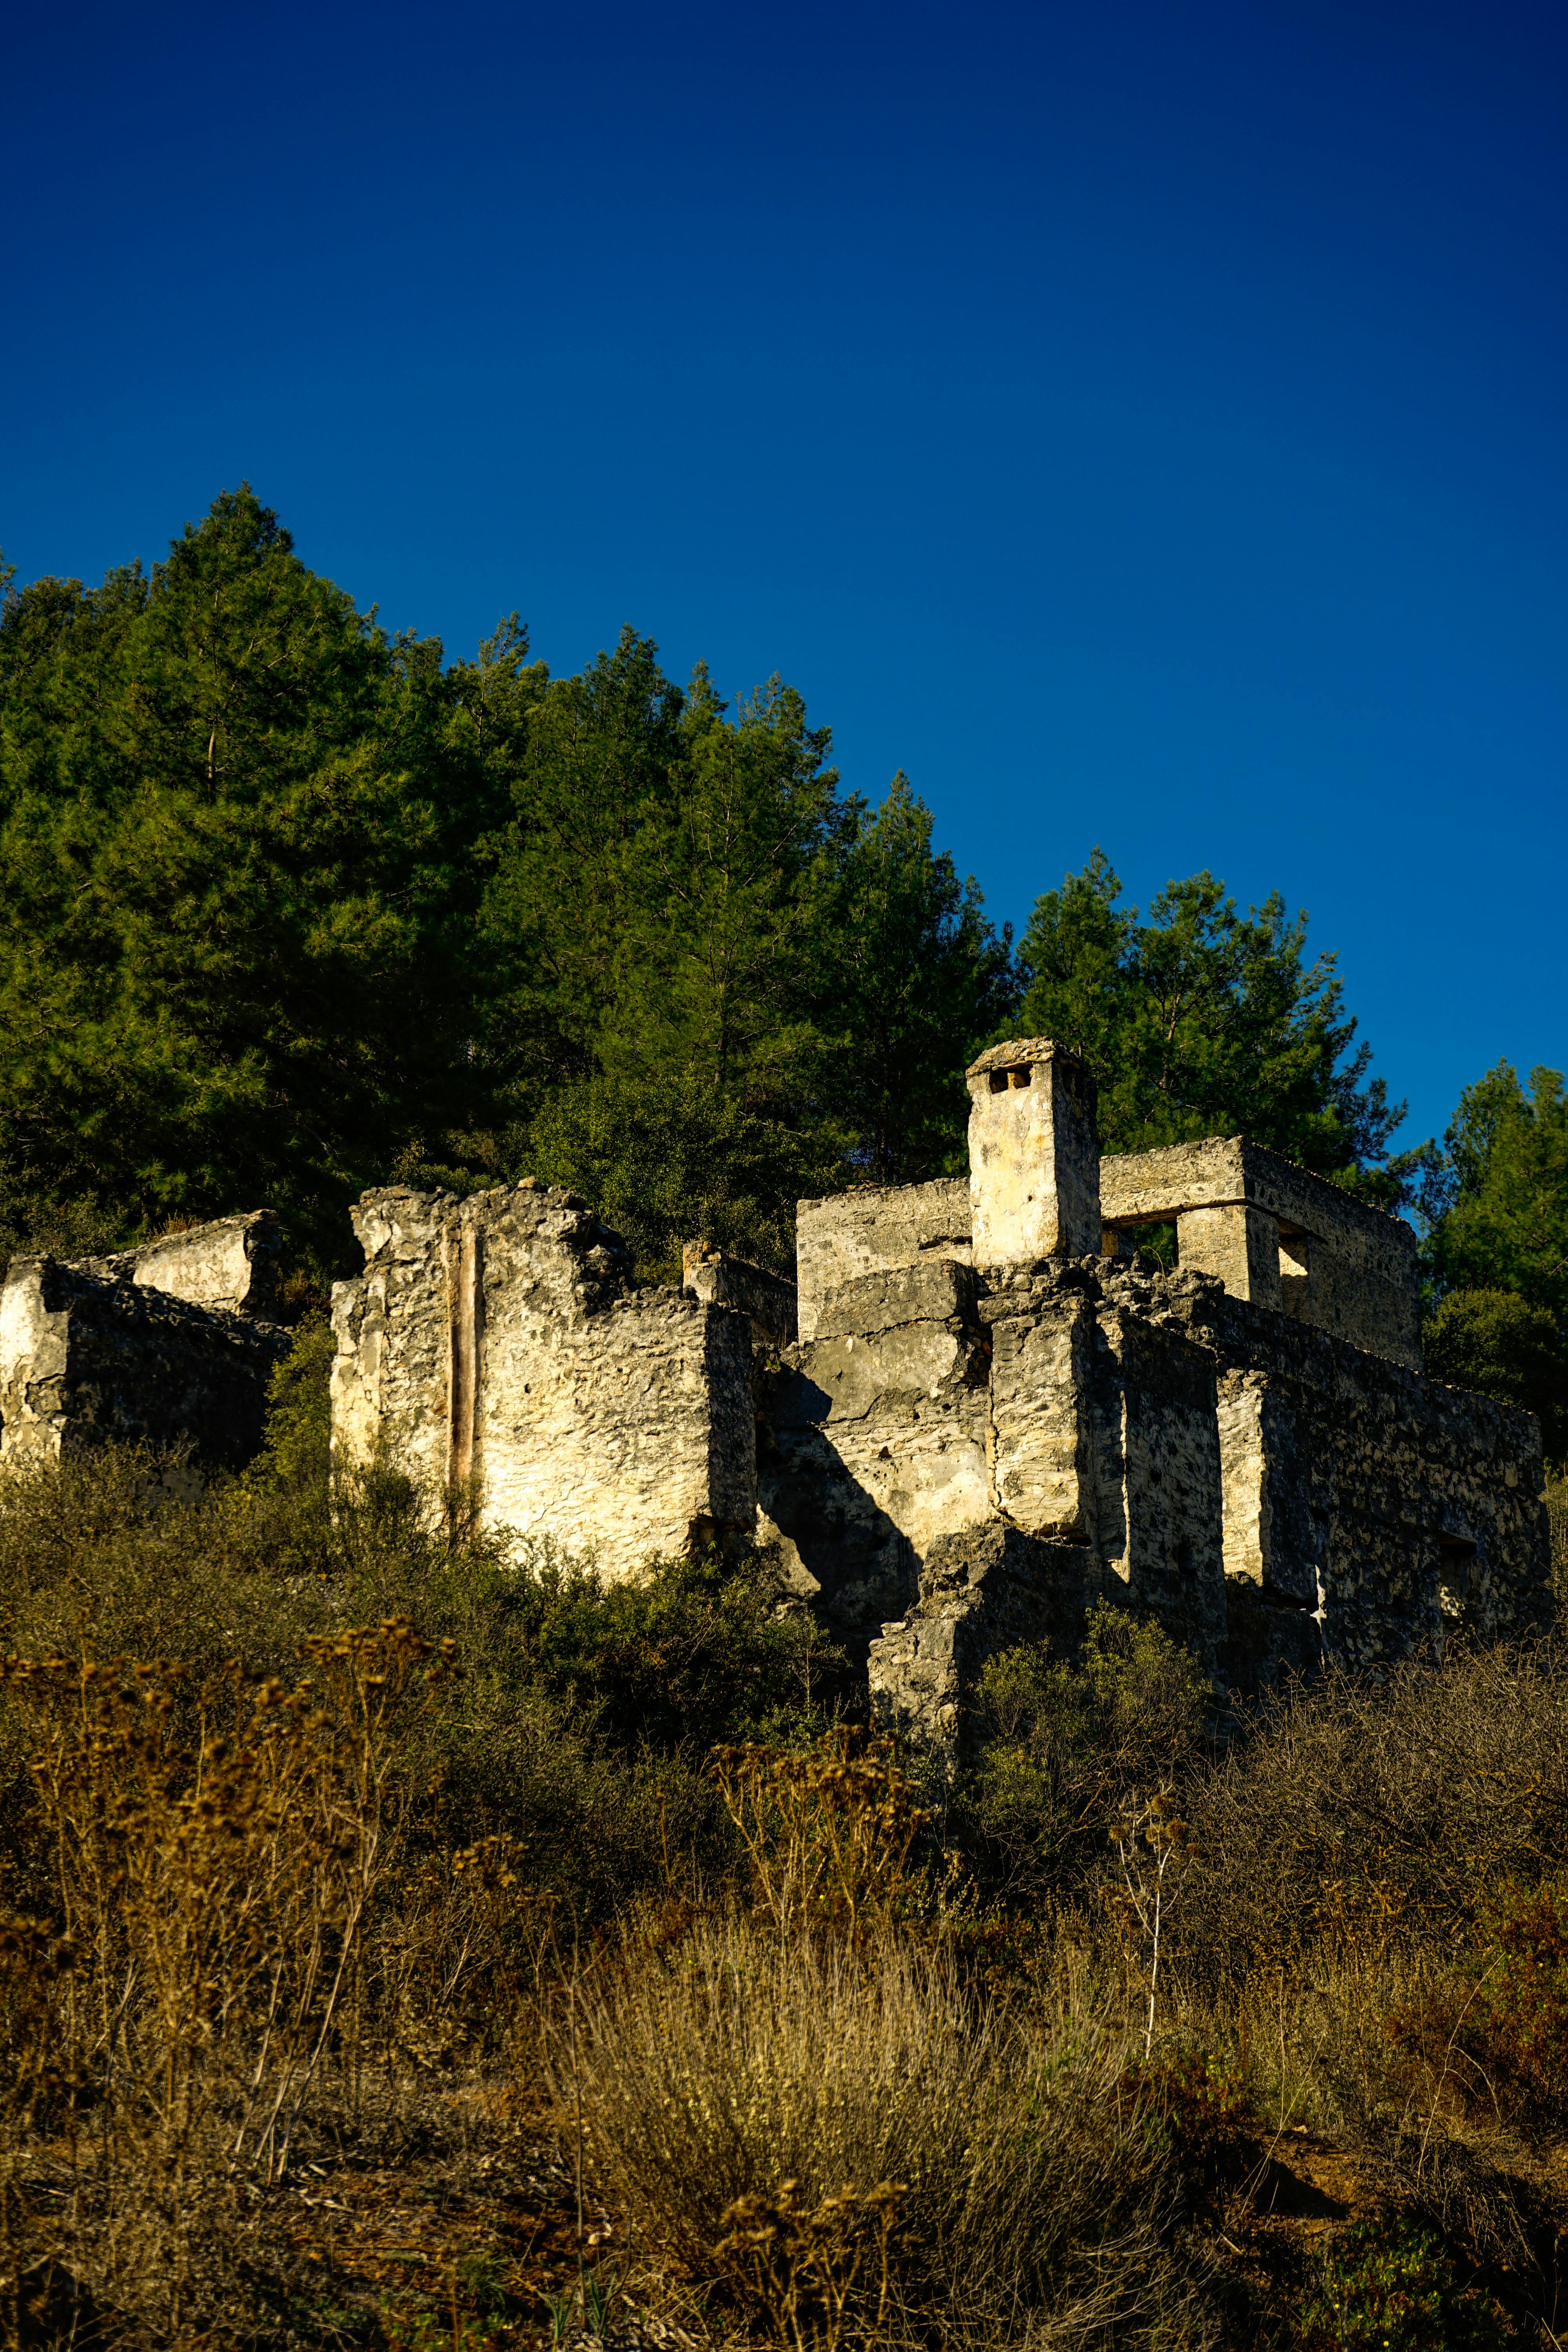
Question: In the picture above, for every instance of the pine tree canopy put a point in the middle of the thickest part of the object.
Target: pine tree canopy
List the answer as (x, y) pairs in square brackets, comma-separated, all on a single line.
[(295, 907)]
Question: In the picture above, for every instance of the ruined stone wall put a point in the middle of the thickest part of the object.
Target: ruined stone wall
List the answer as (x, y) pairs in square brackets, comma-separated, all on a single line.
[(873, 1230), (87, 1358), (230, 1264), (501, 1342), (933, 1403), (873, 1441), (1277, 1236), (1273, 1496), (1386, 1508), (981, 1592), (769, 1304), (1104, 1435)]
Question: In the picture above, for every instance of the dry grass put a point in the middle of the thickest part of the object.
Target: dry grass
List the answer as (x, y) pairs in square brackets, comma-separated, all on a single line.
[(750, 2081), (234, 1945), (312, 1972)]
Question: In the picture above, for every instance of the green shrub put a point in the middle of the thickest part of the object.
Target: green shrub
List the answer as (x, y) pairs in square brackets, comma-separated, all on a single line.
[(1061, 1743), (1391, 2286), (1197, 2108), (1557, 1522), (1498, 1343), (1496, 2039)]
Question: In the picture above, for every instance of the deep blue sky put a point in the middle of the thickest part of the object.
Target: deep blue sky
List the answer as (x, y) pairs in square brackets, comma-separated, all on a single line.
[(1142, 422)]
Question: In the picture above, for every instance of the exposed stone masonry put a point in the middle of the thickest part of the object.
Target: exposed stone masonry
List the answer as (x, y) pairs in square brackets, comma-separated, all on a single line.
[(88, 1356), (501, 1343)]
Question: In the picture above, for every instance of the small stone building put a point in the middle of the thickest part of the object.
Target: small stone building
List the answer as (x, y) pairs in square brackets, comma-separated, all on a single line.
[(168, 1345), (983, 1408)]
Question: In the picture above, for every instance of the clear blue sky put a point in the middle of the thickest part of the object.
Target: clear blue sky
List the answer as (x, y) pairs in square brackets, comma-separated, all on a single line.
[(1142, 422)]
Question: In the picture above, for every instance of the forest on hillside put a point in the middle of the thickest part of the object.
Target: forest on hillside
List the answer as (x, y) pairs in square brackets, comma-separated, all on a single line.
[(294, 906)]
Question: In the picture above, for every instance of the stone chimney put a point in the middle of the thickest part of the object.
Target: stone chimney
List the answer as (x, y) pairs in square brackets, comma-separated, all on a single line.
[(1034, 1154)]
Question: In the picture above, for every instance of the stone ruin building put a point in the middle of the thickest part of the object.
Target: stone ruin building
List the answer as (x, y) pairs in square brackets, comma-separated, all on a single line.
[(172, 1342), (980, 1408)]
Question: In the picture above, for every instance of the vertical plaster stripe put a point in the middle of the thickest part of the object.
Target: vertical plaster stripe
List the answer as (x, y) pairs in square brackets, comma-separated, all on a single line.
[(462, 1251)]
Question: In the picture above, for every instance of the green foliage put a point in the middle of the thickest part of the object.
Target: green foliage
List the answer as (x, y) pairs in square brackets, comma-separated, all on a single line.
[(700, 1650), (584, 1710), (1060, 1744), (1198, 2110), (1557, 1522), (921, 981), (1205, 1021), (1496, 2039), (1391, 2286), (1495, 1200), (296, 1448), (236, 822), (1494, 1341), (728, 987), (671, 1158), (294, 907)]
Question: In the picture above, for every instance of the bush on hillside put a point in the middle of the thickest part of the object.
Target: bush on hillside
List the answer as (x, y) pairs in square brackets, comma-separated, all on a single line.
[(1061, 1743)]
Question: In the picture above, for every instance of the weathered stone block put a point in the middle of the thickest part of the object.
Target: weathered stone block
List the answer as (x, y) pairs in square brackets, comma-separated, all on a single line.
[(981, 1592), (1041, 1376), (870, 1448), (230, 1264), (936, 1291), (1238, 1243)]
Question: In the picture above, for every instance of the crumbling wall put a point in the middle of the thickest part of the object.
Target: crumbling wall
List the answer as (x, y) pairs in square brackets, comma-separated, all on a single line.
[(499, 1344), (766, 1300), (1386, 1507), (981, 1592), (873, 1441), (1104, 1435), (1273, 1496), (1277, 1236), (874, 1230), (230, 1264), (87, 1358)]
